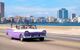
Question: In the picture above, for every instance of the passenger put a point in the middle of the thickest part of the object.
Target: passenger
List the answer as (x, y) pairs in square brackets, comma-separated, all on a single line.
[(23, 27), (26, 27), (17, 27), (32, 27)]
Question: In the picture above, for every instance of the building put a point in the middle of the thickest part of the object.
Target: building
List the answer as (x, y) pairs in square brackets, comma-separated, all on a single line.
[(41, 19), (73, 15), (3, 20), (78, 19), (1, 9), (50, 19), (32, 19), (63, 13)]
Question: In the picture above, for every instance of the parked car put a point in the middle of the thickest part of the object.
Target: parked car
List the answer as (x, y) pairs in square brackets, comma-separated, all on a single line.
[(26, 32)]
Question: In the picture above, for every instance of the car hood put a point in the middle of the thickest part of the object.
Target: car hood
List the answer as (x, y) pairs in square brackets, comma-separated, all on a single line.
[(29, 30)]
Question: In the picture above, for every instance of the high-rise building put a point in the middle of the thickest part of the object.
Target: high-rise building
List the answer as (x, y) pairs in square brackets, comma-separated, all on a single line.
[(73, 15), (1, 9), (63, 13)]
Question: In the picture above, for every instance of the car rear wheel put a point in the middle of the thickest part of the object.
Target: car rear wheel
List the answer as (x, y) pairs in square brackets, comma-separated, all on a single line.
[(12, 38), (41, 39), (21, 38)]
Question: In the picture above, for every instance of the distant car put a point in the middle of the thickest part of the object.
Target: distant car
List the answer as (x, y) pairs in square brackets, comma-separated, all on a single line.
[(26, 32)]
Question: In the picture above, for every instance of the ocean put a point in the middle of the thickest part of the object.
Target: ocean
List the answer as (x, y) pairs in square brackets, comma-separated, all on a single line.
[(56, 24), (50, 24)]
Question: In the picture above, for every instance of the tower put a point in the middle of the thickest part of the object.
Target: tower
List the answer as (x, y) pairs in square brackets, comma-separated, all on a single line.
[(1, 9), (63, 13)]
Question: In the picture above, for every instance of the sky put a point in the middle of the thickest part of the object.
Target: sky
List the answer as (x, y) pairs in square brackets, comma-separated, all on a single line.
[(40, 7)]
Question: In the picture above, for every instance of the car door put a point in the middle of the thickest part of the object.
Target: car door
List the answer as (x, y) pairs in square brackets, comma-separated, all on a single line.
[(9, 32)]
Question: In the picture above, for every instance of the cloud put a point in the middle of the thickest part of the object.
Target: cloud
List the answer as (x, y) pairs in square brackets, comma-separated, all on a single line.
[(35, 9), (29, 10), (1, 0), (21, 0), (21, 10)]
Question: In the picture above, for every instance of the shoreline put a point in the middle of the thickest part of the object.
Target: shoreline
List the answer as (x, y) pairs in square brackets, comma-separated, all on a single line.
[(67, 30), (3, 26), (50, 24)]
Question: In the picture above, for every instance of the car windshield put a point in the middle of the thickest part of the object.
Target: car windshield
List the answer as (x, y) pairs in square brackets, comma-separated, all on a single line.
[(26, 27)]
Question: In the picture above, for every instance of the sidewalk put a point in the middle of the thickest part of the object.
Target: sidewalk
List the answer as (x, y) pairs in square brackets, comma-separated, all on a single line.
[(66, 32)]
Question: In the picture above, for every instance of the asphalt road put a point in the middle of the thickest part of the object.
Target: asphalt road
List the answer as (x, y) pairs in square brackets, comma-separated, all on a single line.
[(75, 38), (50, 43)]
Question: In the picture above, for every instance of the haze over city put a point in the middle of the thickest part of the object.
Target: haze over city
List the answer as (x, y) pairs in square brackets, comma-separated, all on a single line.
[(40, 7)]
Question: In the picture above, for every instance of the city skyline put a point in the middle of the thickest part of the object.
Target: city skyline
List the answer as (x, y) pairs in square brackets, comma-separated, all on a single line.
[(40, 7)]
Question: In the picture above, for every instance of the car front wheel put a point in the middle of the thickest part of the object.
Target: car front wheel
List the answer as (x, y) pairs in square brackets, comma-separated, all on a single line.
[(21, 38)]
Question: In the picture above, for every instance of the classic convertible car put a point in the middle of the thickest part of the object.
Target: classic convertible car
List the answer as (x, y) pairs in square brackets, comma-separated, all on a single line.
[(26, 32)]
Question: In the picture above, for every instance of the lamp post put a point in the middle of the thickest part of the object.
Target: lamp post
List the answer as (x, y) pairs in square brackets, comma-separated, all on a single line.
[(12, 22)]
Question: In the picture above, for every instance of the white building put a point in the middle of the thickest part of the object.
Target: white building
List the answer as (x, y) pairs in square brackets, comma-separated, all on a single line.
[(50, 19), (74, 19), (78, 19)]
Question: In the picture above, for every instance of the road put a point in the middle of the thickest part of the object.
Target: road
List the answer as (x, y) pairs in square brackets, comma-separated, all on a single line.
[(50, 43)]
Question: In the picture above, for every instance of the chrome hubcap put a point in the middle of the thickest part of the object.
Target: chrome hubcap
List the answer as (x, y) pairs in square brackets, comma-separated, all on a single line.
[(21, 38)]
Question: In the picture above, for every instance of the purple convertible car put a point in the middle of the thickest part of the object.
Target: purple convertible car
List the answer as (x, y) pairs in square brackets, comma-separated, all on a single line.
[(26, 32)]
